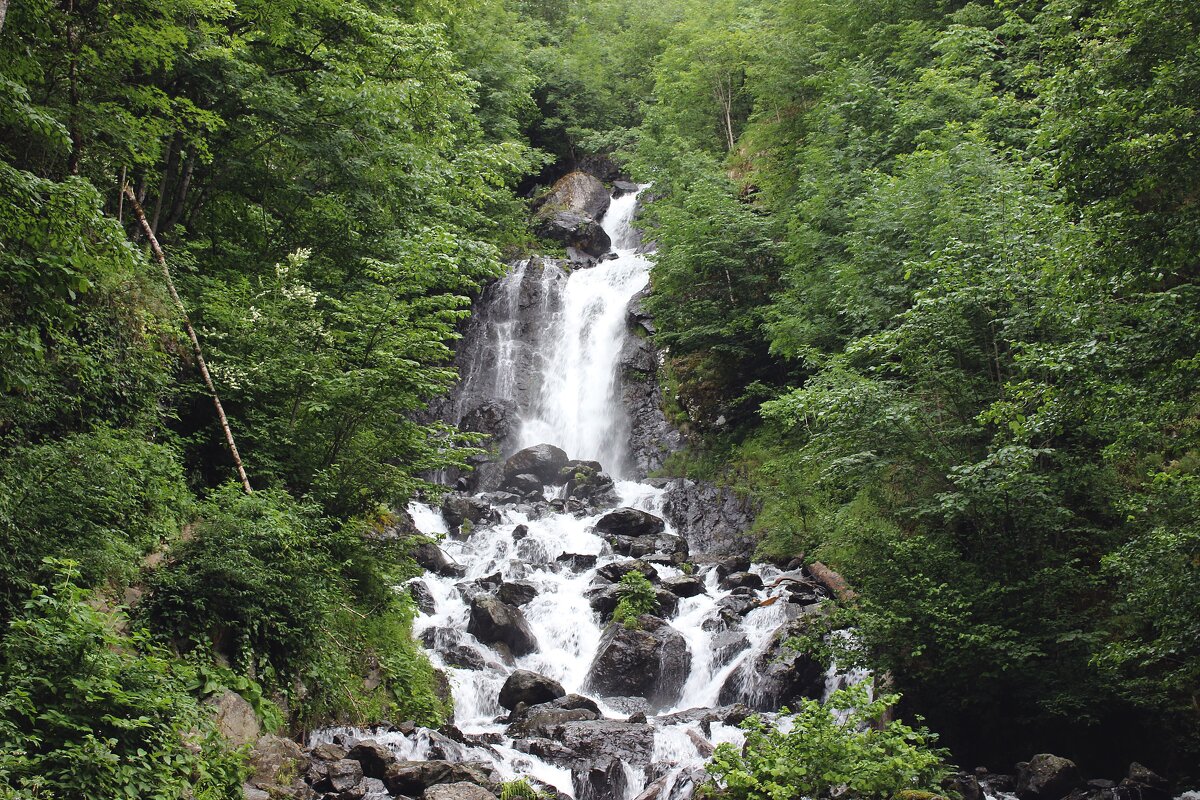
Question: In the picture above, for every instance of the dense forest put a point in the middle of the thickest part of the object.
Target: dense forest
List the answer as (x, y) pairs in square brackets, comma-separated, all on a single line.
[(926, 282)]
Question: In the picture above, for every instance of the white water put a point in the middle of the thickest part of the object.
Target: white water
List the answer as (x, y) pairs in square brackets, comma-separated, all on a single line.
[(577, 406)]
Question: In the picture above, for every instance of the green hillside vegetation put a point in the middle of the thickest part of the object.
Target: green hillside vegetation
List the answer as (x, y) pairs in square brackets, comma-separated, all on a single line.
[(927, 282)]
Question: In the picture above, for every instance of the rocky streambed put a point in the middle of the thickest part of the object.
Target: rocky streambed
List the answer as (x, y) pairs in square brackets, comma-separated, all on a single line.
[(517, 609)]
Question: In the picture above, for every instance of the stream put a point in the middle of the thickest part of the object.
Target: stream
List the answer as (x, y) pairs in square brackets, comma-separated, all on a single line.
[(517, 603)]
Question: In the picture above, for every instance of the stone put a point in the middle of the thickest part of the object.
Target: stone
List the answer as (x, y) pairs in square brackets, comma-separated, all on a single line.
[(418, 590), (725, 645), (519, 532), (1047, 777), (685, 586), (412, 778), (577, 562), (275, 761), (516, 593), (630, 522), (449, 644), (327, 751), (374, 757), (523, 686), (457, 791), (545, 724), (576, 192), (341, 776), (742, 580), (963, 785), (616, 570), (778, 677), (1140, 773), (523, 484), (458, 508), (493, 621), (650, 662), (429, 556), (622, 188), (235, 718), (706, 717), (600, 779), (543, 461), (714, 520)]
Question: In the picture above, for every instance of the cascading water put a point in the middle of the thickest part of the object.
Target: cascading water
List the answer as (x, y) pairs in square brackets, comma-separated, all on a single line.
[(577, 407), (715, 649)]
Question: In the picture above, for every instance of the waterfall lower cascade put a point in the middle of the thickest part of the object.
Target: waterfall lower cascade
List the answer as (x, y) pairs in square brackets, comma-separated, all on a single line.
[(517, 607)]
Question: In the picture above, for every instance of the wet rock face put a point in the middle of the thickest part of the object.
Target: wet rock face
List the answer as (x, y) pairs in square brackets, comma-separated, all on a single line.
[(543, 461), (715, 521), (629, 522), (496, 622), (458, 508), (651, 662), (779, 676), (523, 686), (429, 556), (652, 436)]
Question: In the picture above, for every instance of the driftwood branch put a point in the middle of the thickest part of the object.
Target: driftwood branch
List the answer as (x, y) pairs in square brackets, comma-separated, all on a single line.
[(191, 332)]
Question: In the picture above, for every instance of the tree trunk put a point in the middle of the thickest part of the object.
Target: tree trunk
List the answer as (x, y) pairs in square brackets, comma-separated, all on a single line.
[(3, 11), (191, 332)]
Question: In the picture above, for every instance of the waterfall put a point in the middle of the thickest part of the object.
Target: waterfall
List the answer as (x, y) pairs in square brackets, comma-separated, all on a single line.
[(577, 406), (547, 344)]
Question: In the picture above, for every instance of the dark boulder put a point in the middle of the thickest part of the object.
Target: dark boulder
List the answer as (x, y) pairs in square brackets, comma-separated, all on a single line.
[(651, 662), (519, 532), (779, 676), (582, 236), (600, 780), (373, 756), (742, 580), (523, 686), (459, 508), (544, 724), (1047, 777), (725, 645), (629, 522), (714, 520), (524, 484), (412, 778), (577, 562), (516, 593), (622, 188), (448, 643), (419, 591), (429, 556), (340, 776), (616, 570), (543, 461), (495, 622), (707, 717), (685, 586)]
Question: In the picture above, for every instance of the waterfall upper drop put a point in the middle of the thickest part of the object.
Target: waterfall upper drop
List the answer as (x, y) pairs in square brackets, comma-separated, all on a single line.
[(577, 404), (549, 354)]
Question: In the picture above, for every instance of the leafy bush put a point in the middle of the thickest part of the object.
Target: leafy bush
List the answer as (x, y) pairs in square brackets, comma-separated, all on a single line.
[(519, 789), (299, 601), (843, 748), (87, 713), (636, 597), (103, 499)]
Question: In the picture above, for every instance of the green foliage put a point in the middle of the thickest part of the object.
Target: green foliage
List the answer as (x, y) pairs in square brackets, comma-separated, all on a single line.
[(87, 713), (519, 789), (635, 596), (300, 602), (103, 499), (843, 747), (957, 244)]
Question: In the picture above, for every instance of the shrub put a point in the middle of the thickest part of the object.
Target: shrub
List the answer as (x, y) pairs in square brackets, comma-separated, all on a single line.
[(301, 602), (636, 597), (87, 713), (102, 499), (840, 749)]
